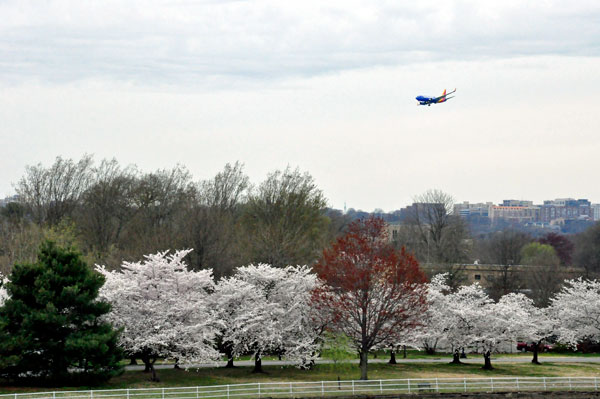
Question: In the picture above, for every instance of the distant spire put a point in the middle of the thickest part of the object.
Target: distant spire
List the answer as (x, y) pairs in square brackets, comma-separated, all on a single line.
[(344, 207)]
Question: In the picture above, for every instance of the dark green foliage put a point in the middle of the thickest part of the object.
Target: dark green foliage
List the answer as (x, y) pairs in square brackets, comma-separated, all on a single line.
[(50, 327)]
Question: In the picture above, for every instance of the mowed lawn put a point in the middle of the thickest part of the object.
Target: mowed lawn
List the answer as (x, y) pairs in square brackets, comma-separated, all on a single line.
[(238, 375)]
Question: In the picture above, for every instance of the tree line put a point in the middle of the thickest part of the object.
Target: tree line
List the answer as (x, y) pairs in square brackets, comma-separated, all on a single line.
[(62, 321), (114, 213)]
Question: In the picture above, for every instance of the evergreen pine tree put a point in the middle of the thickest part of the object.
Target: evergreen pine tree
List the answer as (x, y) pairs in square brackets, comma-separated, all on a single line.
[(51, 327)]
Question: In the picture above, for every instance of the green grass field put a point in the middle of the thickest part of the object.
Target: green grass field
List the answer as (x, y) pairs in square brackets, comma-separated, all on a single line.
[(238, 375)]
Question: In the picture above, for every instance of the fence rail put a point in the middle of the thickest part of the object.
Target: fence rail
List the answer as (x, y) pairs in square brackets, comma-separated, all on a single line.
[(332, 388)]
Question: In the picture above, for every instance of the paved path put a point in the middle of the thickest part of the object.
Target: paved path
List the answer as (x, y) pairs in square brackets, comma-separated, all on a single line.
[(476, 359)]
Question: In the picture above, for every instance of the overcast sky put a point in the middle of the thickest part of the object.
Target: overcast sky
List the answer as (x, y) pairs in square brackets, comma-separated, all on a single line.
[(326, 86)]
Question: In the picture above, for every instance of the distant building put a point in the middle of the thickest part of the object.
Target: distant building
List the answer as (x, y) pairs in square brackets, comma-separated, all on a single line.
[(393, 230), (515, 213), (596, 211), (517, 203), (566, 209), (486, 274), (466, 209)]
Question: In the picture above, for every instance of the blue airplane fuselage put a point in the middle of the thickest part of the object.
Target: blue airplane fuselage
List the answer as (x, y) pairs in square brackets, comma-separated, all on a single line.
[(423, 100)]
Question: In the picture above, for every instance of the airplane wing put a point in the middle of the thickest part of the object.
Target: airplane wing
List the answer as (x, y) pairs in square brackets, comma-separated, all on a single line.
[(444, 97)]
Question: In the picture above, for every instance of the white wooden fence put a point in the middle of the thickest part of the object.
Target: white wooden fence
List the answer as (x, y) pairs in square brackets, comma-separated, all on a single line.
[(331, 388)]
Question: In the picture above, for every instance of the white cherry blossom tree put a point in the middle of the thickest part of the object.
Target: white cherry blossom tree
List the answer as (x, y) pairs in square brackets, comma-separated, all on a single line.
[(244, 315), (163, 309), (468, 318), (540, 324), (267, 309), (465, 308), (499, 323), (435, 319), (299, 327), (577, 310)]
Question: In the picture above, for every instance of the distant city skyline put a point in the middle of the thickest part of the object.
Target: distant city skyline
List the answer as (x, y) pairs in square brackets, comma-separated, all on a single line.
[(328, 87), (6, 198)]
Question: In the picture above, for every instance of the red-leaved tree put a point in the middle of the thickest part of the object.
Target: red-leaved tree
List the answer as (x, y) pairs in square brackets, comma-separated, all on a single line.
[(562, 245), (372, 291)]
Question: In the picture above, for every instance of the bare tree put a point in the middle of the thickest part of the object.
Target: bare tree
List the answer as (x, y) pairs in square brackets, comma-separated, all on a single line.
[(503, 248), (587, 250), (160, 203), (543, 276), (19, 242), (212, 224), (106, 206), (284, 221), (439, 235), (53, 193)]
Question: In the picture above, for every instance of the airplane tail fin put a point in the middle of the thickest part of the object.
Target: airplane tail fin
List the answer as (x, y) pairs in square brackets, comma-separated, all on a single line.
[(444, 93)]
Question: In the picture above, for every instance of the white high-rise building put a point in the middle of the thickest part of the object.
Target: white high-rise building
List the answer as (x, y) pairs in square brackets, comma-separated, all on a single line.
[(596, 211)]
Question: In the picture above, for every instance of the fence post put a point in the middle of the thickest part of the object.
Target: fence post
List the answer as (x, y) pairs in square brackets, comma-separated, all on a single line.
[(322, 387), (517, 382), (380, 386), (352, 387), (595, 384), (570, 387), (437, 385), (198, 393), (465, 384), (291, 389), (227, 391), (163, 393), (259, 389), (127, 393), (492, 384), (408, 384), (545, 388)]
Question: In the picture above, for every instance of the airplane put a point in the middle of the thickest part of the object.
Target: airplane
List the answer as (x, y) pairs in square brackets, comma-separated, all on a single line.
[(435, 100)]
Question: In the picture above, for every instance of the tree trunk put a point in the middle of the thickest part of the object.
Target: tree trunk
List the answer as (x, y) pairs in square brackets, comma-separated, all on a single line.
[(149, 367), (463, 355), (229, 353), (456, 357), (257, 363), (146, 360), (149, 363), (363, 364), (536, 348), (132, 361), (487, 365), (404, 351), (392, 357)]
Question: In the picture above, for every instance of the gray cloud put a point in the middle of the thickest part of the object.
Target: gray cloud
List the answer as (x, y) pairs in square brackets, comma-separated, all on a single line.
[(198, 43)]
